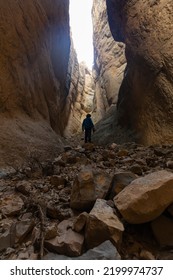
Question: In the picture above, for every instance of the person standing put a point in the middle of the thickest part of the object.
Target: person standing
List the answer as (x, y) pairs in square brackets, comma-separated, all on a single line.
[(88, 126)]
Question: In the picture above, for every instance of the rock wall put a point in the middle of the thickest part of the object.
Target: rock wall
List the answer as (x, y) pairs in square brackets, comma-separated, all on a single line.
[(35, 46), (81, 94), (145, 104), (109, 61)]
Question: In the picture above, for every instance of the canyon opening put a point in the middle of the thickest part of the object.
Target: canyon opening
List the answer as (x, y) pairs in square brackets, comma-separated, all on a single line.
[(82, 30)]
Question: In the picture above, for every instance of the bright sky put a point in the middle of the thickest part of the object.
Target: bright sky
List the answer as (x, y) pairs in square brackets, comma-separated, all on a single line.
[(81, 27)]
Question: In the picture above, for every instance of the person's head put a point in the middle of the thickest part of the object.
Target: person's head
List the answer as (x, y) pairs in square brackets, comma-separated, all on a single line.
[(88, 116)]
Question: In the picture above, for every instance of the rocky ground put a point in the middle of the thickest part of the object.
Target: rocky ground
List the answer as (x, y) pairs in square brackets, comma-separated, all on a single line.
[(91, 202)]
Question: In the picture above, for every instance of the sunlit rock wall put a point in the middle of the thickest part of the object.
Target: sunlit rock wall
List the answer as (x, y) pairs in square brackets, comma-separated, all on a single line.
[(109, 61), (145, 105), (35, 46), (81, 94)]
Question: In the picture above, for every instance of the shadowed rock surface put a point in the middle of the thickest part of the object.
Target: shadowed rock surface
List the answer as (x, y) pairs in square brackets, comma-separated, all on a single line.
[(35, 46), (145, 97)]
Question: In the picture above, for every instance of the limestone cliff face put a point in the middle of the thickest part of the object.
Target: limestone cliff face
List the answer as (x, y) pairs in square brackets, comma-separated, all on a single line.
[(35, 46), (81, 94), (109, 61), (145, 104)]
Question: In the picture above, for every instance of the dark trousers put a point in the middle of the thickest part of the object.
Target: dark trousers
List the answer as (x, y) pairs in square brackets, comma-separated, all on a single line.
[(88, 135)]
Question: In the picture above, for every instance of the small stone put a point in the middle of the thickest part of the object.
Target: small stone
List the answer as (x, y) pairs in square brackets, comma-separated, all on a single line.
[(9, 251), (28, 171), (23, 187), (169, 164), (23, 256), (136, 168), (56, 180), (51, 232), (89, 147), (113, 146), (67, 148), (122, 153), (11, 205), (146, 255)]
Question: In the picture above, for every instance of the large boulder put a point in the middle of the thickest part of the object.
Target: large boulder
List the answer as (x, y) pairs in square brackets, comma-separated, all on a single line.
[(88, 186), (102, 224), (83, 193), (146, 197)]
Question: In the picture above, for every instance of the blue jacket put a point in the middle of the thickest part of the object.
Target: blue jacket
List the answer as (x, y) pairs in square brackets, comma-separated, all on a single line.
[(87, 123)]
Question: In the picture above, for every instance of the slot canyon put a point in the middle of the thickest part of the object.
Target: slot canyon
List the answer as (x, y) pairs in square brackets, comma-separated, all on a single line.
[(62, 198)]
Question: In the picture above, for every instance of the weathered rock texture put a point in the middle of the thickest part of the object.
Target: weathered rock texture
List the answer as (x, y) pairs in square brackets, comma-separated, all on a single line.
[(109, 61), (145, 99), (35, 45), (140, 206), (81, 94)]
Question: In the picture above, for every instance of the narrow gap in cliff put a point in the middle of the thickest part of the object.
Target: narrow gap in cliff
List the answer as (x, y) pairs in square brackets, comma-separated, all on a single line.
[(82, 30)]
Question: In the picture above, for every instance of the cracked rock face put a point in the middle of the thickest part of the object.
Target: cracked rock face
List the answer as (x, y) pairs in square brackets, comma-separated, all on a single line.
[(145, 98)]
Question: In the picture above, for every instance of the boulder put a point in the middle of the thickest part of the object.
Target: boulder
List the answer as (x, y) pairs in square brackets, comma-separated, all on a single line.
[(105, 251), (23, 187), (80, 222), (23, 228), (146, 197), (11, 205), (162, 228), (102, 224), (88, 186), (67, 242), (83, 193), (51, 231), (102, 184), (58, 212), (119, 182)]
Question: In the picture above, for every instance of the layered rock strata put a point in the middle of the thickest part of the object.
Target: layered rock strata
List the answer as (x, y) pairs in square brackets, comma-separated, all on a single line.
[(145, 99)]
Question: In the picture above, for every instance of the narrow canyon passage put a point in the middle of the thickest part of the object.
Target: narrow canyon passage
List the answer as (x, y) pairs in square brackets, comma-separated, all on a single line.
[(61, 198), (95, 90)]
